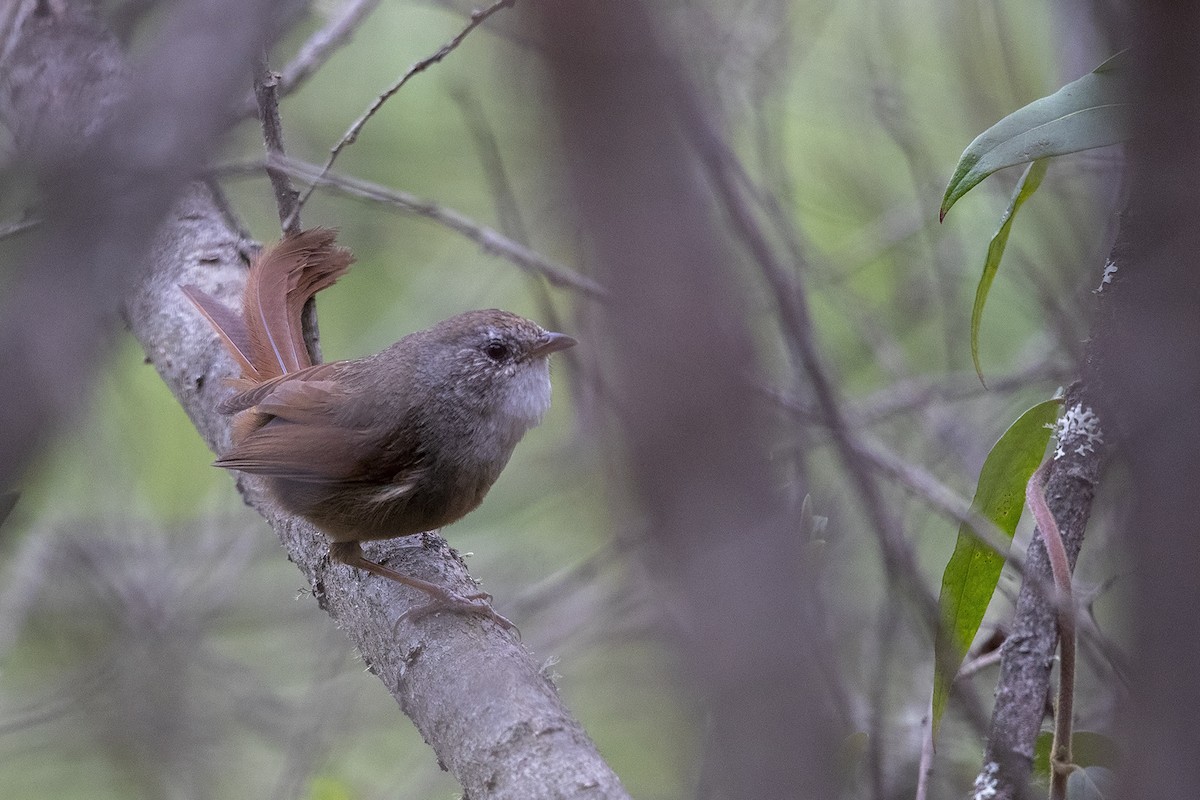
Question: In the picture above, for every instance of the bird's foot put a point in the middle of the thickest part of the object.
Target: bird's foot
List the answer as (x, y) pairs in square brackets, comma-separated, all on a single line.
[(446, 600), (440, 598)]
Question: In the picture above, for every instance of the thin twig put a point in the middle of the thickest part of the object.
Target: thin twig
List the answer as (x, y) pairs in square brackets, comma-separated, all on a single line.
[(912, 393), (508, 210), (1106, 653), (978, 664), (937, 495), (318, 49), (351, 135), (1060, 566), (72, 691), (266, 93), (739, 197), (913, 478), (488, 239), (896, 121), (925, 769), (925, 766)]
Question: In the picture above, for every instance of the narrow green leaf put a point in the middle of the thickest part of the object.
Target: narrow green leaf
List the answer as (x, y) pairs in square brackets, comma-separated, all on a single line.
[(1028, 184), (971, 575), (1089, 112)]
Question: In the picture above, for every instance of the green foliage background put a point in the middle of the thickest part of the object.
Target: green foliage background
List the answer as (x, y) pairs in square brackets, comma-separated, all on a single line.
[(865, 106)]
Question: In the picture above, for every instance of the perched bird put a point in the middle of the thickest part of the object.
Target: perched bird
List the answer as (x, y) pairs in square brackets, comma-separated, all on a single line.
[(400, 442)]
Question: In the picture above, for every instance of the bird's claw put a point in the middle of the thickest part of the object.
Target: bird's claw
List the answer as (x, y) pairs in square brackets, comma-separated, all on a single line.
[(478, 603)]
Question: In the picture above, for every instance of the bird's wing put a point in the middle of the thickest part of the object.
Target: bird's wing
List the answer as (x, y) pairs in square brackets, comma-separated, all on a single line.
[(262, 392), (307, 428)]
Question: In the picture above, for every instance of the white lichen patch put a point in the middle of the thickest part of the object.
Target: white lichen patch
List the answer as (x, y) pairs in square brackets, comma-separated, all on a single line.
[(986, 782), (1078, 431), (1110, 269)]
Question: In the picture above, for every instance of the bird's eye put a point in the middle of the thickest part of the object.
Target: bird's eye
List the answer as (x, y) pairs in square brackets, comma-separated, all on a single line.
[(496, 350)]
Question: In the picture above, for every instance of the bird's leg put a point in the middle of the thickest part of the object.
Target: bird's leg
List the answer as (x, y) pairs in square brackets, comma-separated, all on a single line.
[(441, 598)]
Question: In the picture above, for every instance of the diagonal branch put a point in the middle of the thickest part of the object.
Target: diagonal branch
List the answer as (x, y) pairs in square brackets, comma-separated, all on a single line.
[(352, 133), (489, 240), (317, 50), (475, 693)]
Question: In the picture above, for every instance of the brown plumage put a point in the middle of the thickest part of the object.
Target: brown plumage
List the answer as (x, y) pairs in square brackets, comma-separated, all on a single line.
[(407, 440)]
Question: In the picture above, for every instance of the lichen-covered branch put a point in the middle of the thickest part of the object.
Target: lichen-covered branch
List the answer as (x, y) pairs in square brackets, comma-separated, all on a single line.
[(1028, 652)]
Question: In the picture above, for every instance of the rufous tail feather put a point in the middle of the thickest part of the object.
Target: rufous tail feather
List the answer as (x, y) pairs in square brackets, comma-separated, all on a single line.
[(267, 338)]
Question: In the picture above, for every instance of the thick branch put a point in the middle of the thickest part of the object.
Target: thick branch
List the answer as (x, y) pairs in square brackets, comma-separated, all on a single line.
[(472, 689)]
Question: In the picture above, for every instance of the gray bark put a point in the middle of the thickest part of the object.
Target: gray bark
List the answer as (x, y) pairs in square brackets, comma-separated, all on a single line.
[(1027, 656), (474, 691)]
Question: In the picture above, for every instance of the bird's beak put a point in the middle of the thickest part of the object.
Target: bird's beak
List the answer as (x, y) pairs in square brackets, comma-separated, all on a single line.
[(552, 343)]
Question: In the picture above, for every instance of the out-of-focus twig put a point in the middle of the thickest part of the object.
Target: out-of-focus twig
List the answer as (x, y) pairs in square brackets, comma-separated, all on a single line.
[(316, 51), (687, 442), (917, 392), (489, 240), (352, 133), (739, 201)]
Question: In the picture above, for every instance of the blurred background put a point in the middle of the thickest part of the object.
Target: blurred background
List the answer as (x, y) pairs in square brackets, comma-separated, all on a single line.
[(155, 642)]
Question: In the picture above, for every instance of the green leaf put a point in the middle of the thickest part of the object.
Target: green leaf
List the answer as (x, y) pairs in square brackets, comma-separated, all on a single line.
[(1088, 749), (971, 575), (1028, 184), (1089, 112)]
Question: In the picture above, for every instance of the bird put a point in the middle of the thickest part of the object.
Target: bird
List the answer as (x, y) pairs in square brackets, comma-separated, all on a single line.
[(407, 440)]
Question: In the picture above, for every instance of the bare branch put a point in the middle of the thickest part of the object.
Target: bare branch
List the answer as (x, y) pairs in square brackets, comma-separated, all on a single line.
[(489, 240), (336, 33), (351, 135), (266, 92)]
